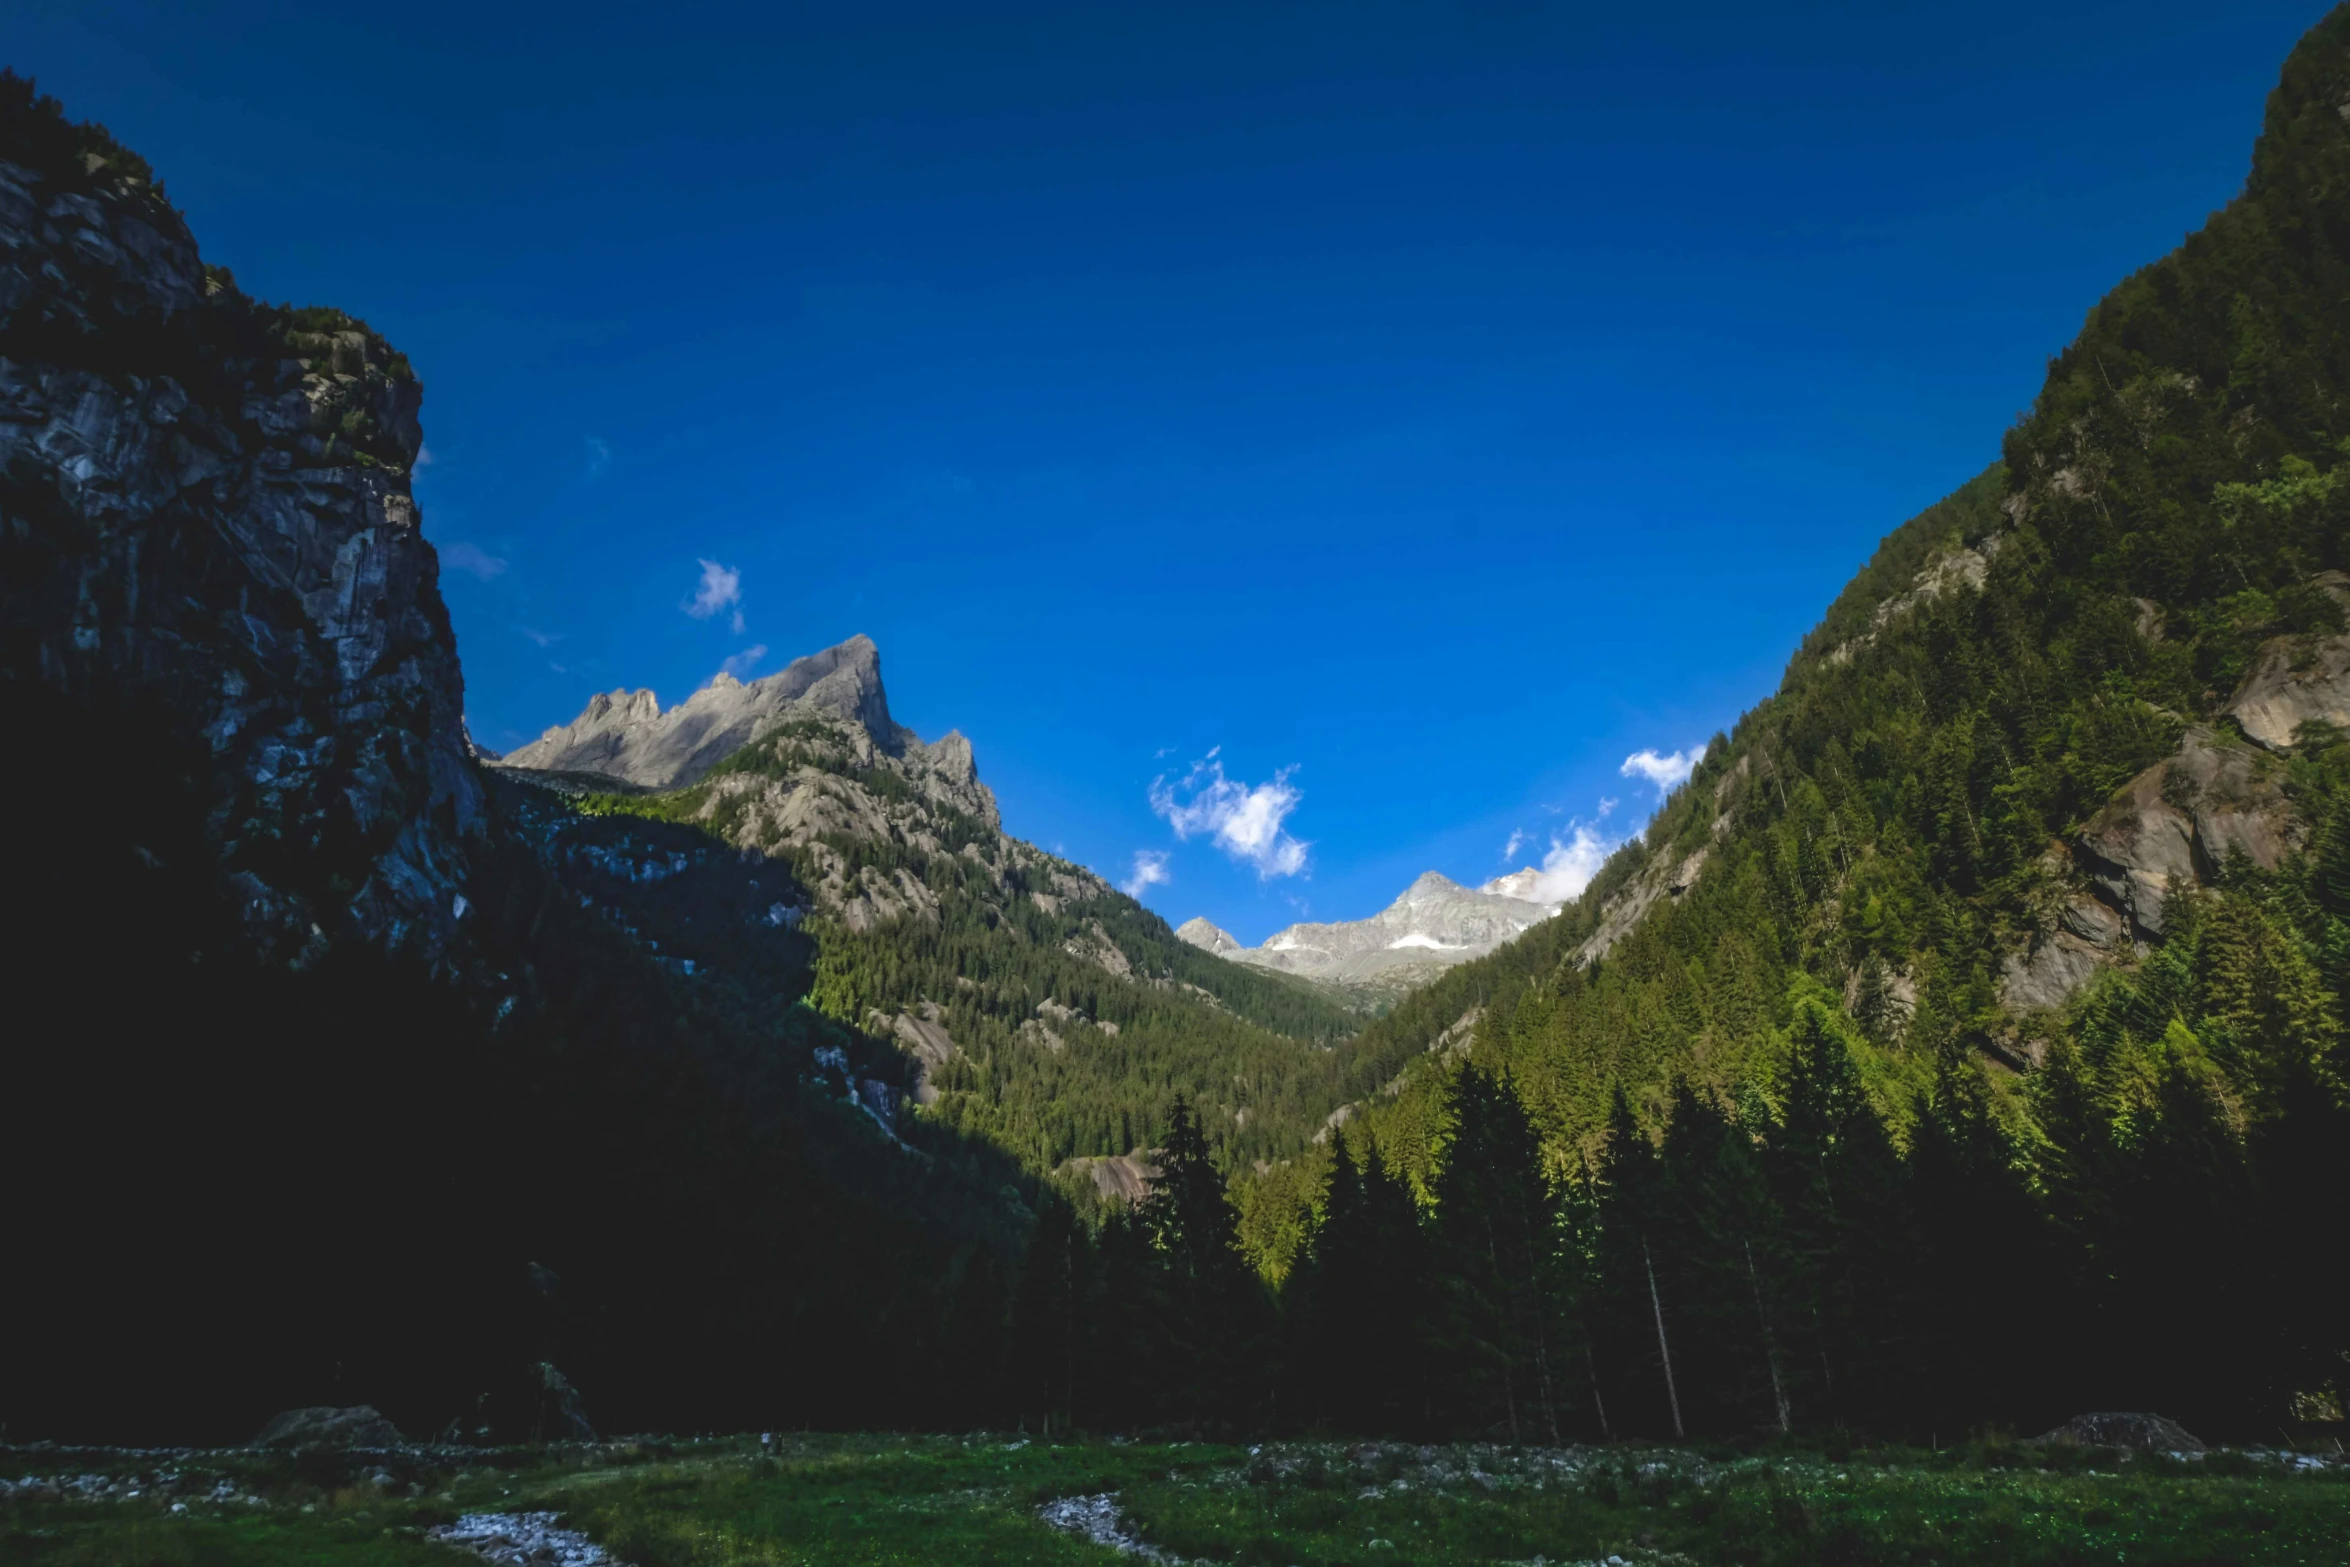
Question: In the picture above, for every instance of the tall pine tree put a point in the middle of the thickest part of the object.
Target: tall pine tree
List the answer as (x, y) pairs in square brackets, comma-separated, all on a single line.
[(1499, 1256), (1216, 1330)]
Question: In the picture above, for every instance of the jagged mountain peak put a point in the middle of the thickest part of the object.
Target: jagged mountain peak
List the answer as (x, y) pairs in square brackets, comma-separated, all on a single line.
[(1208, 936), (628, 734), (1525, 883), (1429, 885)]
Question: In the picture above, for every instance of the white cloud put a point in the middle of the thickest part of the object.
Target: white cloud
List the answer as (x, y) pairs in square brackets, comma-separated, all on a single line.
[(542, 638), (1663, 771), (721, 590), (473, 560), (1150, 870), (741, 664), (1509, 850), (599, 457), (1571, 863), (1244, 822), (423, 458)]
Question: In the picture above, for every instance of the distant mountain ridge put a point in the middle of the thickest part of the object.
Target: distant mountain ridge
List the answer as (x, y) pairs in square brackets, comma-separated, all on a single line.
[(1435, 924)]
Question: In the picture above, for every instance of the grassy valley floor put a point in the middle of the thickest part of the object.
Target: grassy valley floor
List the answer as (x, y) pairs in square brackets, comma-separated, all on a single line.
[(983, 1500)]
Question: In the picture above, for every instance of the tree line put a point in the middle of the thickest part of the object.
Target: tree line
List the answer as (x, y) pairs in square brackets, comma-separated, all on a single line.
[(1795, 1262)]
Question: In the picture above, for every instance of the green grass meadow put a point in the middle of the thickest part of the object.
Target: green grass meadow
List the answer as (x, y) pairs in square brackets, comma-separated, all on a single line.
[(978, 1500)]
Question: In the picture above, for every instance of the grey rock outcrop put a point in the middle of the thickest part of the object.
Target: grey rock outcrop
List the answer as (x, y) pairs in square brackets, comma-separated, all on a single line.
[(2175, 824), (925, 1039), (627, 734), (2295, 681), (1123, 1177), (207, 509), (2052, 971), (2171, 829), (326, 1426)]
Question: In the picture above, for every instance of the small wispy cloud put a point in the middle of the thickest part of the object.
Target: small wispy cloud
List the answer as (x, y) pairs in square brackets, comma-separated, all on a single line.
[(541, 638), (599, 457), (424, 459), (741, 664), (720, 592), (1244, 821), (1509, 850), (473, 560), (1150, 870), (1574, 857), (1664, 770)]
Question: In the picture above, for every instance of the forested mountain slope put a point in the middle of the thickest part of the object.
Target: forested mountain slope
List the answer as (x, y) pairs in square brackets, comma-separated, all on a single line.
[(2091, 692), (1035, 1006), (1993, 970)]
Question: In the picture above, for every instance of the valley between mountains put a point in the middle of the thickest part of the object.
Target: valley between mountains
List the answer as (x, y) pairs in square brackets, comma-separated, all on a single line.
[(1961, 1047)]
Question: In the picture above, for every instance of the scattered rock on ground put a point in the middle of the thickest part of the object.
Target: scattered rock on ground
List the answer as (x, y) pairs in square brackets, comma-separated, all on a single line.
[(1097, 1519), (325, 1426), (2142, 1432), (524, 1540)]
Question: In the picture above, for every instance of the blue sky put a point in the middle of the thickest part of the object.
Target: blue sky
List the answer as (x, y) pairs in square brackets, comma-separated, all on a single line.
[(1343, 433)]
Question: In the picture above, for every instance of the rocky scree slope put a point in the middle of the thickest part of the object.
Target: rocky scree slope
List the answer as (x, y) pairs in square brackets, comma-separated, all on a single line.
[(206, 518), (1033, 1004), (2087, 708)]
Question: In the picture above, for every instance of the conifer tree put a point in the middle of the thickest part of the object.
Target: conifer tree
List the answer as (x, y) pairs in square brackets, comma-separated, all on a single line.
[(1355, 1321), (2187, 1255), (1717, 1241), (1048, 1319), (1840, 1186), (2301, 1161), (1498, 1263), (1983, 1245), (1623, 1303), (1400, 1400), (1126, 1362), (968, 1364), (1217, 1322)]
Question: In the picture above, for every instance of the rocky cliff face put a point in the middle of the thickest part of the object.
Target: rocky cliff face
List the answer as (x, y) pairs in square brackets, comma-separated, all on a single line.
[(206, 516), (627, 735), (1434, 925)]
